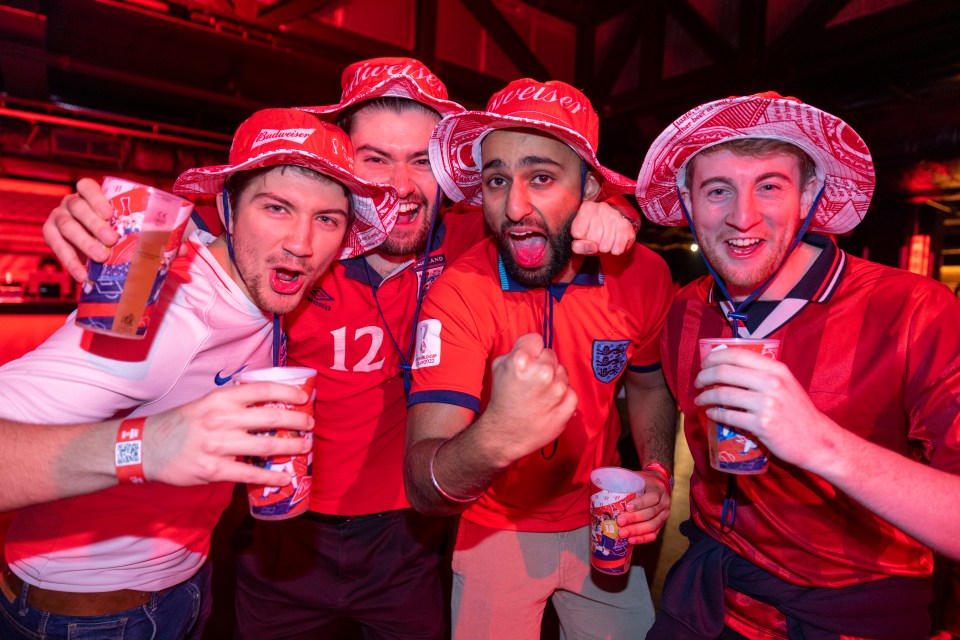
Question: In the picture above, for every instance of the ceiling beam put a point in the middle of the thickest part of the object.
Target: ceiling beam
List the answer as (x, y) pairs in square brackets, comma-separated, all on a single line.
[(425, 36), (693, 23), (807, 29), (286, 11), (636, 20), (507, 38)]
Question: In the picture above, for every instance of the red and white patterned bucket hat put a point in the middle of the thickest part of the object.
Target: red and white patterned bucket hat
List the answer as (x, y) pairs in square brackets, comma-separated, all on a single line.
[(274, 137), (553, 107), (389, 77), (843, 163)]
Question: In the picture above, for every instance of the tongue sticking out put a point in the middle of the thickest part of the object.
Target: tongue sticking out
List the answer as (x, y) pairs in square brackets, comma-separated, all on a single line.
[(528, 250), (285, 282)]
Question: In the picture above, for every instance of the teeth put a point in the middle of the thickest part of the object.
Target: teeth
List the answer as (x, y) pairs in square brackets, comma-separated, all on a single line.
[(743, 242), (406, 207)]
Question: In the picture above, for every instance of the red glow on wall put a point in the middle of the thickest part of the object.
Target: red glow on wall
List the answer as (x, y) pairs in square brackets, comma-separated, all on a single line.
[(918, 259)]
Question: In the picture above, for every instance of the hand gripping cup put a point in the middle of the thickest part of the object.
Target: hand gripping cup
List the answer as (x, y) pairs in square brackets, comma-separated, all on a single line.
[(611, 489), (280, 503), (730, 450), (119, 295)]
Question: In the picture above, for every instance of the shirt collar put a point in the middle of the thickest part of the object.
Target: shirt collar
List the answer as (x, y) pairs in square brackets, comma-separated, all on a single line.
[(355, 269), (817, 285), (590, 274)]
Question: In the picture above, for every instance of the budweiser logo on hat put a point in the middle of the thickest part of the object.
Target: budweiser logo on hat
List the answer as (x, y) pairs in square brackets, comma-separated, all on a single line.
[(298, 136), (275, 137), (389, 77), (553, 107)]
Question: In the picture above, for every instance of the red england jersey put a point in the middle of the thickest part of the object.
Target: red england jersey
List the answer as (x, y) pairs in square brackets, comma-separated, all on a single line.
[(607, 319), (356, 329), (877, 349)]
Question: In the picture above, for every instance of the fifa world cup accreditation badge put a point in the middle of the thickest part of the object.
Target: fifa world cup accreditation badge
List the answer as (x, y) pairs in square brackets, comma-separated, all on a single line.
[(609, 358)]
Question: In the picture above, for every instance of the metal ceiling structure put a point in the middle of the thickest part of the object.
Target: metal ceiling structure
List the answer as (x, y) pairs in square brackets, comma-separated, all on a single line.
[(150, 87)]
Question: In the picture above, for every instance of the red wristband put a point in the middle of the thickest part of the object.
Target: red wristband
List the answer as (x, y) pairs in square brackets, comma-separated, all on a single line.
[(127, 454), (661, 470)]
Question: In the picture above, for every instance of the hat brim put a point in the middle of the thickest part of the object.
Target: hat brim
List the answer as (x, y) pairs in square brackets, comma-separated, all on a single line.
[(375, 206), (844, 166), (455, 152), (392, 87)]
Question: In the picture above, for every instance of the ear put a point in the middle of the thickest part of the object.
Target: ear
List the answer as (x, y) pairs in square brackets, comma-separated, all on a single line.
[(807, 196), (220, 211), (687, 200), (591, 189)]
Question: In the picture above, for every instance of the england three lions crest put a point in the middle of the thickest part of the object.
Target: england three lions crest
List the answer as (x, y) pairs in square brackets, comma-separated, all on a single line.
[(609, 358)]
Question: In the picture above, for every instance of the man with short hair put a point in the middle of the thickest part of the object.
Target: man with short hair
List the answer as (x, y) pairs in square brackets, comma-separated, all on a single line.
[(132, 560), (521, 349), (860, 415)]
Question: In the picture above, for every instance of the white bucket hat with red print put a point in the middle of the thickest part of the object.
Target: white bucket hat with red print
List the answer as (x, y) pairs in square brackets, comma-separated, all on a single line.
[(553, 107), (843, 164), (389, 77), (275, 137)]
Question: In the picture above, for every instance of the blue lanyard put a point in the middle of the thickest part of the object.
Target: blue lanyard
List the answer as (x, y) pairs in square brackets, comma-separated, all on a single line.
[(405, 359)]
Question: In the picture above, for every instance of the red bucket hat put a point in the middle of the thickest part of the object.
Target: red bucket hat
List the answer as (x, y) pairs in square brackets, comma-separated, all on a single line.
[(389, 77), (274, 137), (844, 166), (553, 107)]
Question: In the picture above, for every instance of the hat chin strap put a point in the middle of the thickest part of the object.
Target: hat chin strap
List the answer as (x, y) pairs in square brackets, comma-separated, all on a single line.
[(277, 329), (739, 314)]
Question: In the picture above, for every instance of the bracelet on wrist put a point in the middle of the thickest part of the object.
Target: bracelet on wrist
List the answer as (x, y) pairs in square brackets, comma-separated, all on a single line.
[(440, 490), (128, 451), (661, 470)]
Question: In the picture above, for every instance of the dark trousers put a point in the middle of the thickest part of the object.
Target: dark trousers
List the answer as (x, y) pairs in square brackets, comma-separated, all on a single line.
[(301, 578)]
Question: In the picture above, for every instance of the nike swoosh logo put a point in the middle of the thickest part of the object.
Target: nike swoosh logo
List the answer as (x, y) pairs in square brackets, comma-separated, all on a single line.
[(222, 380)]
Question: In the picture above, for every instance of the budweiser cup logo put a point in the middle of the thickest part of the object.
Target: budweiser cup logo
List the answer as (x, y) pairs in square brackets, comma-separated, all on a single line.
[(297, 136)]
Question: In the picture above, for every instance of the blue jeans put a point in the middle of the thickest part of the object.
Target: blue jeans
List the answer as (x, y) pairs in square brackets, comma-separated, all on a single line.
[(177, 614)]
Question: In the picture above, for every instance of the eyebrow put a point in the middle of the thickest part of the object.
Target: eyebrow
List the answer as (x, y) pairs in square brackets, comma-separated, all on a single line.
[(760, 178), (386, 154), (272, 196), (526, 161)]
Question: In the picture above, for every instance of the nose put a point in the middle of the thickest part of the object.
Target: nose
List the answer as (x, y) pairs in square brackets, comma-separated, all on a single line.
[(745, 213), (298, 240), (402, 180), (518, 202)]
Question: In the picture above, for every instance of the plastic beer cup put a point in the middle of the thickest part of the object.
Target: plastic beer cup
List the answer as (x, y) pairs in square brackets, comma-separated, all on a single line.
[(280, 503), (730, 450), (120, 294)]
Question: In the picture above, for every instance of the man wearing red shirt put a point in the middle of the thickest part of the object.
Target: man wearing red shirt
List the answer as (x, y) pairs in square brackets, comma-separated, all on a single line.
[(521, 349), (361, 553), (859, 415)]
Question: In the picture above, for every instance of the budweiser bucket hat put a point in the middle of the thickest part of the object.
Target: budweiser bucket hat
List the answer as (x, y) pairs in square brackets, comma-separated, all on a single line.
[(274, 137), (553, 107), (843, 164), (389, 77)]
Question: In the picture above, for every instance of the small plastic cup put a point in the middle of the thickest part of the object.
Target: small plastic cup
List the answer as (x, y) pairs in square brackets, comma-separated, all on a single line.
[(280, 503), (120, 294), (611, 489), (730, 450)]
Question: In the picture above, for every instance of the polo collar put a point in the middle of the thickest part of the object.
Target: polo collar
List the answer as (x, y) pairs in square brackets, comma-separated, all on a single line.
[(817, 285), (590, 274)]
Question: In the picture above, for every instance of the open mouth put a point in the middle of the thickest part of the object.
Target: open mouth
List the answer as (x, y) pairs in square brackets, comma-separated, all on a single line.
[(528, 247), (286, 281), (743, 247), (408, 212)]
